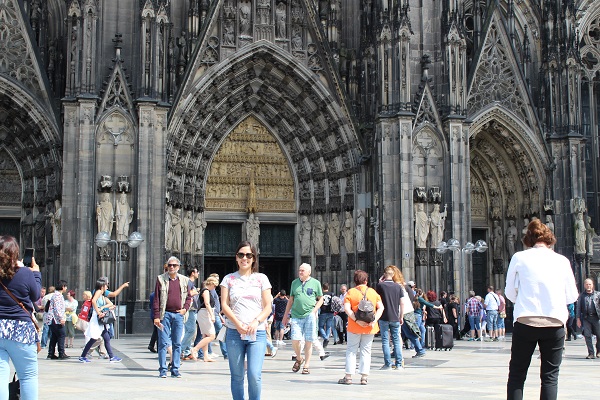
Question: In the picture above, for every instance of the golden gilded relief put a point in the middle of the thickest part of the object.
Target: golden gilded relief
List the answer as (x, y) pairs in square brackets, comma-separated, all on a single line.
[(250, 173)]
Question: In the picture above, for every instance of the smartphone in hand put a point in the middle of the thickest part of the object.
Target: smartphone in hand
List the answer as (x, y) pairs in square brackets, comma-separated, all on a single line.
[(27, 256)]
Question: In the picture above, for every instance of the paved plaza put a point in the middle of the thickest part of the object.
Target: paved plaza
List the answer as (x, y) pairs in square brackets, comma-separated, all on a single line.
[(474, 370)]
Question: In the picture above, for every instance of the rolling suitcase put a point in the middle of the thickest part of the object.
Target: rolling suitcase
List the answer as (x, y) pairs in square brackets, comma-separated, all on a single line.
[(430, 338), (444, 337)]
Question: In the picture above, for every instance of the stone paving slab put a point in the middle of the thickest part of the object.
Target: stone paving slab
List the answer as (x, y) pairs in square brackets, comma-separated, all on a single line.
[(475, 370)]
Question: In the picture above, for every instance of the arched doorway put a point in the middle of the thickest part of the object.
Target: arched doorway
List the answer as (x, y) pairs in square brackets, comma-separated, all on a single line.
[(507, 182), (250, 194)]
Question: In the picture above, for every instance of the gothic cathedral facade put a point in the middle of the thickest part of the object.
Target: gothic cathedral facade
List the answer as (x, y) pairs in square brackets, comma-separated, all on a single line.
[(349, 134)]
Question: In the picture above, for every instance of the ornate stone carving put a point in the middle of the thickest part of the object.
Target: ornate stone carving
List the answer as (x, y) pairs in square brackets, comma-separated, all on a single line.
[(497, 241), (188, 232), (421, 226), (105, 214), (56, 222), (580, 234), (250, 149), (305, 229), (319, 236), (348, 232), (333, 234), (253, 229), (438, 222), (511, 238), (360, 231)]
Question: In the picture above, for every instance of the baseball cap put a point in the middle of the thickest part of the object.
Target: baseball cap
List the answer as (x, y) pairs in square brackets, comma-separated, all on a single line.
[(411, 283)]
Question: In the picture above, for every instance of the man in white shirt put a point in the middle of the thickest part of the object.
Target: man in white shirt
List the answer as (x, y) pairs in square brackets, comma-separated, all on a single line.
[(491, 304)]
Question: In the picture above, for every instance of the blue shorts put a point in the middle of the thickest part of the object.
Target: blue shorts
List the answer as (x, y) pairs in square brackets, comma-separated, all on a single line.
[(475, 322), (500, 323), (304, 328), (278, 324)]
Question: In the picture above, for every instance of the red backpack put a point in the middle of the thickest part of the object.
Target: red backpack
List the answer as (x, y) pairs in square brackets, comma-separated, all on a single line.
[(86, 310)]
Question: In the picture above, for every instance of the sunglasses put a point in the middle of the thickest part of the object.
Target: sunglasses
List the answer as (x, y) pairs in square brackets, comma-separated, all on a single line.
[(249, 256), (173, 265)]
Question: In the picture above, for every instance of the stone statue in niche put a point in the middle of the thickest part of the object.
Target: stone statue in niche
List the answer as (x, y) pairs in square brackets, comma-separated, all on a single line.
[(168, 218), (497, 240), (375, 224), (319, 236), (245, 27), (438, 224), (348, 233), (334, 234), (511, 238), (591, 234), (580, 234), (124, 216), (525, 225), (305, 229), (360, 231), (27, 228), (280, 15), (228, 33), (199, 226), (105, 214), (176, 230), (56, 221), (549, 223), (253, 229), (188, 232), (39, 227), (296, 38), (421, 226)]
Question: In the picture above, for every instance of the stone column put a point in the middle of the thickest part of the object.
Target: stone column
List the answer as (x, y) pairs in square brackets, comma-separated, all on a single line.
[(459, 180), (78, 208), (405, 199)]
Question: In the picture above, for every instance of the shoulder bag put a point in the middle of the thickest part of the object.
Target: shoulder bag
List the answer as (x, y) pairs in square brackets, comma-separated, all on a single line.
[(39, 347), (108, 318)]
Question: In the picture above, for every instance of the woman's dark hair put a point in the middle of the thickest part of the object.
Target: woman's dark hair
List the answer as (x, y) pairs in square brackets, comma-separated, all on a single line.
[(245, 243), (99, 284), (431, 296), (360, 277), (538, 232), (9, 254), (61, 284)]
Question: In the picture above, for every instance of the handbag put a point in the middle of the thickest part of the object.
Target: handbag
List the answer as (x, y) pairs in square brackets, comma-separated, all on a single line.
[(14, 389), (108, 318), (366, 310), (502, 314), (37, 329), (222, 334)]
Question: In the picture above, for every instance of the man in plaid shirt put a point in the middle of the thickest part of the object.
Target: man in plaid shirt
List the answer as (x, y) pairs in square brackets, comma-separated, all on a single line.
[(474, 308), (56, 318)]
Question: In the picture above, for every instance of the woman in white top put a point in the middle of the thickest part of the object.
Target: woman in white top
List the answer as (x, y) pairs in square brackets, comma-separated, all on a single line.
[(246, 302), (95, 329), (541, 283)]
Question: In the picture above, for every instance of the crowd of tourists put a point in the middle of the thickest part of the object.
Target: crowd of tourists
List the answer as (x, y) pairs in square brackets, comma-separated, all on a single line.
[(250, 324)]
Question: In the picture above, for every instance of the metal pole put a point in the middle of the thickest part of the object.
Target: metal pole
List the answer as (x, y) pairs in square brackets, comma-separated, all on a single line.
[(117, 268), (462, 286)]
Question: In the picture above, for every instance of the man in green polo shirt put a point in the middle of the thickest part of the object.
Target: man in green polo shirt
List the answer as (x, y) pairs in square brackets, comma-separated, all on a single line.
[(306, 297)]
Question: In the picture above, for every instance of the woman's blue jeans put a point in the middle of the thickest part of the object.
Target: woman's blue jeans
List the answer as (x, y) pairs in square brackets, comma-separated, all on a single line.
[(24, 358), (254, 352), (421, 324)]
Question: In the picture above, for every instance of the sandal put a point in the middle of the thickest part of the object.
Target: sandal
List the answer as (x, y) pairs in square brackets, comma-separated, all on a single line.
[(305, 371), (363, 380), (345, 381), (297, 364)]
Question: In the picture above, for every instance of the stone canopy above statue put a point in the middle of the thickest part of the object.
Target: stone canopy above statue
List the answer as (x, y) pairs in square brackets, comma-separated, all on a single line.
[(250, 151)]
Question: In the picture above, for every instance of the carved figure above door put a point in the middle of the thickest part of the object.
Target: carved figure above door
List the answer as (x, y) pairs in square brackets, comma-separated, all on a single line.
[(250, 165)]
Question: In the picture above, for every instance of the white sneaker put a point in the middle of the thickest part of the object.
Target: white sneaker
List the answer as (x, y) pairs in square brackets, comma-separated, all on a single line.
[(274, 352), (282, 343)]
